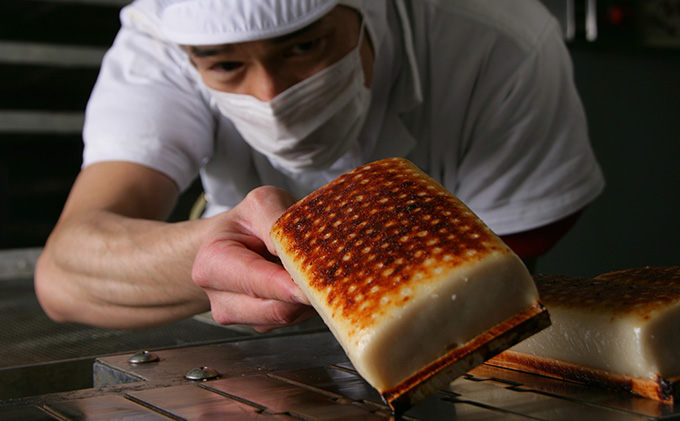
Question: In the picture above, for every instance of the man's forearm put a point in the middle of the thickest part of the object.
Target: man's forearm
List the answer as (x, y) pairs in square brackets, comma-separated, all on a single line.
[(111, 271)]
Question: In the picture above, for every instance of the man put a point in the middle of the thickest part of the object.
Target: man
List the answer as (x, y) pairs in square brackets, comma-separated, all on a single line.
[(270, 99)]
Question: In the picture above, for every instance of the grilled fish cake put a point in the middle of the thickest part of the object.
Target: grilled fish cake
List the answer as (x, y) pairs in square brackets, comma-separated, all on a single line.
[(619, 330), (413, 285)]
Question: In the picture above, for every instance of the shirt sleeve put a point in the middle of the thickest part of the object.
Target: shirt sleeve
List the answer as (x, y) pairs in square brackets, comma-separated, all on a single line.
[(527, 160), (146, 107)]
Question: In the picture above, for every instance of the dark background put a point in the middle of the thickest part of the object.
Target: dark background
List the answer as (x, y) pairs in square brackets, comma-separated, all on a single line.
[(628, 79)]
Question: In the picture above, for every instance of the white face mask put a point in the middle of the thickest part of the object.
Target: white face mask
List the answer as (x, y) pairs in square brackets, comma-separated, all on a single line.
[(309, 125)]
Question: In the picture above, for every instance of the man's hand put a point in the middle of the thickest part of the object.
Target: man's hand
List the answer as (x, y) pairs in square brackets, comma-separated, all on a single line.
[(111, 261), (237, 268)]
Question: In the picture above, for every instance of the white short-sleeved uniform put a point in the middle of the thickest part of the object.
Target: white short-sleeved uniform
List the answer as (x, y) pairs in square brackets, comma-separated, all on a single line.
[(478, 93)]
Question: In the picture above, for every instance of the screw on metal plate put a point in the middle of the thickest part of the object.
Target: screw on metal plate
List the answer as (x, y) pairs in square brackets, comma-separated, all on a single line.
[(143, 357), (202, 374)]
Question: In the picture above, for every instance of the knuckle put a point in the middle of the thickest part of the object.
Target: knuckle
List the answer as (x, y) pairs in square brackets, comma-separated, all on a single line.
[(283, 314), (223, 318), (264, 196), (206, 265), (199, 274), (261, 194)]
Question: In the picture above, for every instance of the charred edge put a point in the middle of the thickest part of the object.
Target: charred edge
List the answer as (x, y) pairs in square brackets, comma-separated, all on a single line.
[(659, 389), (398, 406), (495, 340), (666, 389)]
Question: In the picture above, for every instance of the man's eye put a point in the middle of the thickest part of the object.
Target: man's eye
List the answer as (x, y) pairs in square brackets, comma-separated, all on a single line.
[(303, 47), (226, 66)]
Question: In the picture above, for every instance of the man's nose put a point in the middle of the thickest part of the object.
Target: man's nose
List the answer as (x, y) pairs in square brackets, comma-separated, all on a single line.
[(268, 83)]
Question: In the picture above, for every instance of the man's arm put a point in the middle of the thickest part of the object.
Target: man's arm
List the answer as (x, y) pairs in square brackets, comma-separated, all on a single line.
[(112, 262)]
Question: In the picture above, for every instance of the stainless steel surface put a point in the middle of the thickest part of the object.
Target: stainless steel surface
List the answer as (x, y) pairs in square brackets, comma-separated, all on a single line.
[(307, 376), (190, 402), (296, 375), (338, 381), (278, 397), (102, 408), (236, 358), (497, 394)]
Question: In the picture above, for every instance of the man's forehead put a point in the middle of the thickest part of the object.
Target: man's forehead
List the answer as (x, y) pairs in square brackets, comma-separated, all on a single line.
[(201, 51), (217, 22)]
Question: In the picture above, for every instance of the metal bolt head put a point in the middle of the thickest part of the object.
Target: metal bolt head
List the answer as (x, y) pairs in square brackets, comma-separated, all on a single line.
[(202, 374), (143, 357)]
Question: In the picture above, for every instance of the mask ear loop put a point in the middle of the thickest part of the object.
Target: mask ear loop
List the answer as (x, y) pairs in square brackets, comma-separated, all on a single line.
[(410, 49), (362, 31)]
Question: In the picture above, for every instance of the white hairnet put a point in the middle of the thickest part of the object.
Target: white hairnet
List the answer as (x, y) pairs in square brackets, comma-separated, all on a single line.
[(211, 22)]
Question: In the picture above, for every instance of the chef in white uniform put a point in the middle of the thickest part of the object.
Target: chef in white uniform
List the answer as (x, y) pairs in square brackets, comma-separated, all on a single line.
[(290, 94)]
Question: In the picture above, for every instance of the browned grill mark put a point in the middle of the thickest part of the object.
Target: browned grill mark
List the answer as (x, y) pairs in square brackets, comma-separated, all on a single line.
[(369, 236), (666, 276), (635, 291)]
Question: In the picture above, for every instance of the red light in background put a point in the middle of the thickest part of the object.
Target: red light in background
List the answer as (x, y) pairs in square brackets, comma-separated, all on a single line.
[(616, 15)]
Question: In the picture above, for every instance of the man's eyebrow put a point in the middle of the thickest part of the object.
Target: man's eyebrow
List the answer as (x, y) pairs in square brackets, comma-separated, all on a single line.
[(201, 52)]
